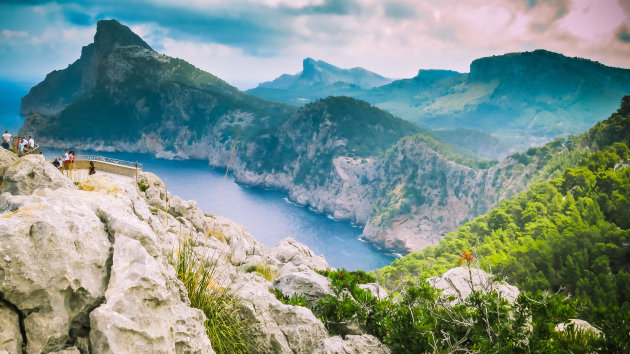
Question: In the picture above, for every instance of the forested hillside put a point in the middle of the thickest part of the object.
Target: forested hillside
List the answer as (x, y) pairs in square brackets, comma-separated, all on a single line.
[(569, 234)]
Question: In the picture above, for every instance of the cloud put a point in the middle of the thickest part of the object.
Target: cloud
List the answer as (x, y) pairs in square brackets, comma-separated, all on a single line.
[(399, 10), (8, 34), (249, 41), (331, 7)]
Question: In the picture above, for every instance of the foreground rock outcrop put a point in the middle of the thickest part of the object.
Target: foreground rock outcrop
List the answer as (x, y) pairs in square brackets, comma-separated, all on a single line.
[(86, 269)]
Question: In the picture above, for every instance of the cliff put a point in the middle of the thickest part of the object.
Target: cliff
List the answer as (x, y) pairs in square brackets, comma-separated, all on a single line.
[(88, 269)]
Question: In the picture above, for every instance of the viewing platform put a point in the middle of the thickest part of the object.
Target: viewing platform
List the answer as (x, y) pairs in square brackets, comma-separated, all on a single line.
[(80, 171)]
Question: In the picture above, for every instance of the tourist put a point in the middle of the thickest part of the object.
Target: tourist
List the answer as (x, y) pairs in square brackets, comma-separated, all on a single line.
[(20, 146), (31, 142), (92, 168), (56, 163), (6, 139), (66, 160), (72, 160)]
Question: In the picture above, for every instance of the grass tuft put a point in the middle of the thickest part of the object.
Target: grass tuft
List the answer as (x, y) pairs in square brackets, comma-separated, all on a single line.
[(264, 271), (225, 327)]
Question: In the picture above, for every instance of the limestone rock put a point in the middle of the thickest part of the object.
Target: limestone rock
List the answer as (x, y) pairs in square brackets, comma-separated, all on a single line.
[(82, 264), (32, 172), (276, 327), (10, 336), (375, 288), (292, 252), (144, 311), (53, 256), (155, 194), (6, 159), (579, 325), (461, 282), (308, 283), (352, 344), (71, 350)]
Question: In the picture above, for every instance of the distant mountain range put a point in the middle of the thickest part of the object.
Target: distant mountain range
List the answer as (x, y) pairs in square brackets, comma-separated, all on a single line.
[(524, 99), (318, 79)]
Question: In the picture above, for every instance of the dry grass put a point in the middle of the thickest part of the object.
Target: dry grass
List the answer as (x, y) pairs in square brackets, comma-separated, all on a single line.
[(264, 271), (24, 209), (226, 329), (100, 184)]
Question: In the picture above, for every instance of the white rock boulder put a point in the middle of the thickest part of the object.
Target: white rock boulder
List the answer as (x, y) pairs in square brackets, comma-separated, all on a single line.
[(462, 281)]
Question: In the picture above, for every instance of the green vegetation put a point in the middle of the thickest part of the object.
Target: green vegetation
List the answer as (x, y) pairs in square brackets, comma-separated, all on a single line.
[(449, 152), (416, 319), (225, 327), (295, 300), (143, 186), (570, 234)]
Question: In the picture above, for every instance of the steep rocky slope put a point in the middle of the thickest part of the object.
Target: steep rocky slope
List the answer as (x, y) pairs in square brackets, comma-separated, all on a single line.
[(87, 270)]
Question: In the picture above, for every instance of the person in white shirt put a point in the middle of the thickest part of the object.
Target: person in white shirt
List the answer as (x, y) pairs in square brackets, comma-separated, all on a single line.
[(6, 139), (31, 142), (66, 160)]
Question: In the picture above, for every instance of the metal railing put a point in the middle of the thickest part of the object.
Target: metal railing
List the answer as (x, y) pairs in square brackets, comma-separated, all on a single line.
[(109, 160)]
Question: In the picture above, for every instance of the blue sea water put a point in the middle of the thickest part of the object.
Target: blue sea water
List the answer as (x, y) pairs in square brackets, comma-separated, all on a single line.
[(268, 215)]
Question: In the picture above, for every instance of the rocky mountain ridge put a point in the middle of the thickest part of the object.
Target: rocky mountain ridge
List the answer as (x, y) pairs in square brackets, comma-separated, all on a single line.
[(525, 99)]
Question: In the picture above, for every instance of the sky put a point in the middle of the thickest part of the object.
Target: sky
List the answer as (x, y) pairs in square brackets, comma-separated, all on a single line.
[(246, 42)]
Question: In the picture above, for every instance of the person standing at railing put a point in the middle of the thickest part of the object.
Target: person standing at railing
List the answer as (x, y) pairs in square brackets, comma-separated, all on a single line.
[(31, 142), (72, 156), (92, 169), (66, 160), (20, 146), (6, 139)]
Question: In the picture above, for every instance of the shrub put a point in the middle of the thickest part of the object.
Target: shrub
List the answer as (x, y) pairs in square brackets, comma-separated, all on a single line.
[(295, 300), (226, 329), (143, 186)]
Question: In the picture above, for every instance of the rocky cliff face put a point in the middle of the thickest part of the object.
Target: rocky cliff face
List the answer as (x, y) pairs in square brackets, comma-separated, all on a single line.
[(138, 99), (85, 270)]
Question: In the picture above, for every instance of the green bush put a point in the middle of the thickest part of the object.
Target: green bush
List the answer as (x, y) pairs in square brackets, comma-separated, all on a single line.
[(295, 300), (226, 329), (143, 186)]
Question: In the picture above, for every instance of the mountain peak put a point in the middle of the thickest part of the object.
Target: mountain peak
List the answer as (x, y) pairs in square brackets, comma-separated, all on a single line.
[(110, 33), (309, 67)]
